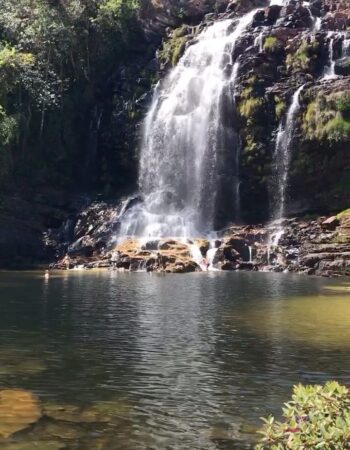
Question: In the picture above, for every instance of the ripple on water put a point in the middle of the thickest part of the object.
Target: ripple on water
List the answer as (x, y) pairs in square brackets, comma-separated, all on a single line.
[(123, 361)]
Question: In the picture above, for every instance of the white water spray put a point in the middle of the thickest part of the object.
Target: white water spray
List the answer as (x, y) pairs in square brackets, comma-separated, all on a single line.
[(185, 139), (250, 254), (211, 253), (329, 71), (283, 154)]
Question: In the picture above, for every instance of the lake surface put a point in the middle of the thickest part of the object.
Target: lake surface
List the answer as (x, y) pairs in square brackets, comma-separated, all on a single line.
[(140, 361)]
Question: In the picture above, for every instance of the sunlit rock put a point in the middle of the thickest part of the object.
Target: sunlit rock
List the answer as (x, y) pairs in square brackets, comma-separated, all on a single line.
[(18, 410)]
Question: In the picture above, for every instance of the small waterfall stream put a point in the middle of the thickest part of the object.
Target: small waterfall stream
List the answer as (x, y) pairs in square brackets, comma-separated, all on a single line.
[(329, 71), (283, 154), (346, 47), (282, 159)]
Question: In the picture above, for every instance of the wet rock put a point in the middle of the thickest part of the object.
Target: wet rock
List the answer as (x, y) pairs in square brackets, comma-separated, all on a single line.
[(18, 410), (182, 267), (66, 413), (331, 223), (106, 412), (30, 366), (151, 245), (203, 245), (247, 266), (239, 245), (35, 445), (342, 66), (60, 430), (225, 253), (229, 266)]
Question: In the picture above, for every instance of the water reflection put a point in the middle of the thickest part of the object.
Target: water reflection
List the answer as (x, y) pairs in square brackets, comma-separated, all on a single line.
[(178, 362)]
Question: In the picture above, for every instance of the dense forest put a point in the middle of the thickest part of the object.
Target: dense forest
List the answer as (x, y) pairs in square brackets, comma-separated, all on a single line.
[(64, 69)]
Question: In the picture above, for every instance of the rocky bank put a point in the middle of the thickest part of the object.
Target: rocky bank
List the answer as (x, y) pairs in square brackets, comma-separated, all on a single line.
[(311, 245)]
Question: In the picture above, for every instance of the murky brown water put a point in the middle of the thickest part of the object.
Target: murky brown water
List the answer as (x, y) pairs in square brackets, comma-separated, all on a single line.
[(138, 361)]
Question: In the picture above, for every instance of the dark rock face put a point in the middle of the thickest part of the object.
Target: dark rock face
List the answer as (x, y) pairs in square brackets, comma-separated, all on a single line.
[(342, 66), (293, 54), (27, 221)]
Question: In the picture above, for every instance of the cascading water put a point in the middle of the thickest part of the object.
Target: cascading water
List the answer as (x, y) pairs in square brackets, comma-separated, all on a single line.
[(317, 24), (329, 71), (259, 41), (250, 253), (346, 47), (211, 253), (186, 142), (282, 159), (283, 155)]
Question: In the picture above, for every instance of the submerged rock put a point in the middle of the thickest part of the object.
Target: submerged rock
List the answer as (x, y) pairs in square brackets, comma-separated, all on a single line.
[(18, 410), (34, 445)]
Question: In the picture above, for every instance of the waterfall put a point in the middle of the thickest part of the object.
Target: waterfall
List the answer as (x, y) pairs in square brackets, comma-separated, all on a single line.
[(189, 154), (346, 47), (329, 70), (250, 253), (317, 24), (198, 257), (283, 153), (259, 41), (211, 256)]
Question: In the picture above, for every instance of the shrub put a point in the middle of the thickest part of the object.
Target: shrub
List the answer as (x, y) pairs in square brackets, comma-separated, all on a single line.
[(271, 44), (343, 105), (249, 107), (302, 59), (280, 107), (338, 129), (326, 118), (318, 417)]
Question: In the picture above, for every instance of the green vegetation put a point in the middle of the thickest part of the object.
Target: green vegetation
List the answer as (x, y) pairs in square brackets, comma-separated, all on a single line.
[(250, 103), (173, 48), (64, 68), (343, 214), (343, 105), (280, 107), (302, 60), (317, 417), (327, 118), (249, 108), (271, 44)]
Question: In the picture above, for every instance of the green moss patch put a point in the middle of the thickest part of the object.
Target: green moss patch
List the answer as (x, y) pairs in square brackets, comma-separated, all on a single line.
[(326, 118)]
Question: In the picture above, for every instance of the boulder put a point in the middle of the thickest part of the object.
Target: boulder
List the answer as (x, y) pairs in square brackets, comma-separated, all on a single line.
[(225, 253), (203, 245), (331, 223), (229, 266)]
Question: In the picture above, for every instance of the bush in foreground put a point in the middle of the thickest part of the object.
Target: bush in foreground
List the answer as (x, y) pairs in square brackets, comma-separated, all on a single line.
[(317, 417)]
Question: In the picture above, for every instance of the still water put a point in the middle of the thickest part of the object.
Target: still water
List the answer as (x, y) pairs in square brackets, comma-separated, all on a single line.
[(139, 361)]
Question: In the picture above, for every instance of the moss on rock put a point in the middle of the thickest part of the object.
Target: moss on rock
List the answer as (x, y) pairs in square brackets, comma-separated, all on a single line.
[(173, 47), (327, 118)]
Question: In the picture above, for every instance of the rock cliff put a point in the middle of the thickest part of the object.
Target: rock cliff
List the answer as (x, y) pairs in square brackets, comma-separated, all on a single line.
[(301, 44)]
